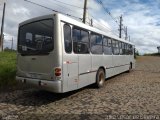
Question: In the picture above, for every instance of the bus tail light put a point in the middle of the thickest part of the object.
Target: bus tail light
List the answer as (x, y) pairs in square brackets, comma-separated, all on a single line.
[(57, 72)]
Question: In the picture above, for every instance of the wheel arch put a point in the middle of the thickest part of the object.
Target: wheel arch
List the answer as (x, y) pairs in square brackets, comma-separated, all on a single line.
[(102, 67)]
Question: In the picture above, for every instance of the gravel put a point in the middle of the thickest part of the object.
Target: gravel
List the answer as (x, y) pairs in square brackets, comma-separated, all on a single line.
[(128, 96)]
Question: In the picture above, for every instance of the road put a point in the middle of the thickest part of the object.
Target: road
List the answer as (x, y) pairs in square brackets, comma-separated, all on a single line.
[(134, 93)]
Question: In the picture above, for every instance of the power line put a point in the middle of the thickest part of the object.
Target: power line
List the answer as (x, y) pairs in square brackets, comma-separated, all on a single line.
[(103, 26), (52, 9), (106, 10), (68, 4), (41, 5), (65, 7), (95, 19), (121, 19)]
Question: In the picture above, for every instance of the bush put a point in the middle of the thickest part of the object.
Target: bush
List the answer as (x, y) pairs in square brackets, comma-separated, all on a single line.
[(7, 68)]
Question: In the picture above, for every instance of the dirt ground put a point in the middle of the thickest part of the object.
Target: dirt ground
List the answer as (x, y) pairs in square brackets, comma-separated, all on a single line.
[(134, 95)]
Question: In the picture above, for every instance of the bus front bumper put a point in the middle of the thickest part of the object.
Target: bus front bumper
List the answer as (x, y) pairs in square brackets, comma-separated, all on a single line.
[(52, 86)]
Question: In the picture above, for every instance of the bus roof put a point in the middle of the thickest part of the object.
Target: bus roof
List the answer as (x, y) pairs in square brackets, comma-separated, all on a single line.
[(72, 21)]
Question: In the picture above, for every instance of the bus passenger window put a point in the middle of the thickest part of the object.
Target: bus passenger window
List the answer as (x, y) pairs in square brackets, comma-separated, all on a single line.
[(130, 50), (96, 44), (109, 42), (67, 38), (120, 48), (126, 49), (115, 47), (123, 48), (80, 41), (107, 46)]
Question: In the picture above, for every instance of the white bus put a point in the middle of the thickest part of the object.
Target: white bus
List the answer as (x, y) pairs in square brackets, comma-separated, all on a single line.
[(59, 54)]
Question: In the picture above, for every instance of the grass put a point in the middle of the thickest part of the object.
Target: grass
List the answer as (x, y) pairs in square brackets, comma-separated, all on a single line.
[(152, 54), (7, 69)]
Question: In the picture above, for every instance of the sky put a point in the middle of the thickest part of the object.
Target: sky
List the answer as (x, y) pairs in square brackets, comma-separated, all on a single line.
[(142, 18)]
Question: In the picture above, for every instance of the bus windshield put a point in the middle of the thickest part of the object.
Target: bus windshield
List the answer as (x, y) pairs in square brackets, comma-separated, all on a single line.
[(36, 37)]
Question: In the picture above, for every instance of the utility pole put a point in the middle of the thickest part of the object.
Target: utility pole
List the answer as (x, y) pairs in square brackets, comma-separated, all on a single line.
[(120, 27), (2, 27), (85, 11)]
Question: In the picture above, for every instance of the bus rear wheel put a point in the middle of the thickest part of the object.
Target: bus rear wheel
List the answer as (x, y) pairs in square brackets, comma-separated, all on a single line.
[(130, 68), (100, 78)]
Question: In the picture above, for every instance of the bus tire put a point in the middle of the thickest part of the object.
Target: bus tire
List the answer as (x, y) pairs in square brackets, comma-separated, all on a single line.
[(100, 78), (130, 68)]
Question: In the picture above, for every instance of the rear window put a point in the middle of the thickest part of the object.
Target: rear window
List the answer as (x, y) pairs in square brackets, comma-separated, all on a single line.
[(36, 37)]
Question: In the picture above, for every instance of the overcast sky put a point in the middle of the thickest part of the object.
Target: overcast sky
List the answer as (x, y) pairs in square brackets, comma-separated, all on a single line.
[(141, 16)]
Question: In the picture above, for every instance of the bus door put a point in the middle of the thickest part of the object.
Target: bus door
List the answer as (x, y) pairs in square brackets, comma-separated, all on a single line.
[(70, 62), (81, 48)]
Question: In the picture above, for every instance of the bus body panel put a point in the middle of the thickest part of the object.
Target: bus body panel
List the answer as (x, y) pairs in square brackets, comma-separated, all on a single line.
[(34, 66), (84, 70), (108, 64), (70, 72), (97, 62), (121, 63), (53, 86)]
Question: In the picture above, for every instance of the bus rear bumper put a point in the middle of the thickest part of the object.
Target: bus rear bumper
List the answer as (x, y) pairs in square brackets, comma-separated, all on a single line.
[(52, 86)]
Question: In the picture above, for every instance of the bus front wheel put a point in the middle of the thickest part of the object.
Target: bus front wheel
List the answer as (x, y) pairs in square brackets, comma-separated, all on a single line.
[(100, 78)]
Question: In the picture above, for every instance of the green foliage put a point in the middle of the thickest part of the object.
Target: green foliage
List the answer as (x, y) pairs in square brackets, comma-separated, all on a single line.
[(152, 54), (7, 68), (136, 54)]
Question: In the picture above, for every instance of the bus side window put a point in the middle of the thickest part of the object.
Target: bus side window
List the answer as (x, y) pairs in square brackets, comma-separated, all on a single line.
[(96, 44), (80, 41), (120, 48), (84, 42), (109, 42), (123, 48), (113, 46), (67, 38), (131, 50), (110, 46), (126, 49), (117, 48), (107, 46)]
